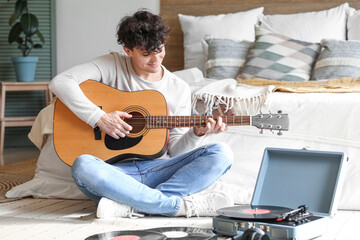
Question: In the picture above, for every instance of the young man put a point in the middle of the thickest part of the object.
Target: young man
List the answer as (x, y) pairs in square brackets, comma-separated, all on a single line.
[(160, 186)]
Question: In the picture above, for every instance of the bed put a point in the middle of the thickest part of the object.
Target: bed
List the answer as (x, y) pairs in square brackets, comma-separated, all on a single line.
[(319, 119), (323, 116)]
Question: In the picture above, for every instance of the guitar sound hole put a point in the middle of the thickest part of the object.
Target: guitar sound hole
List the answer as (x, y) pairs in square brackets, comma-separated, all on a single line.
[(137, 122)]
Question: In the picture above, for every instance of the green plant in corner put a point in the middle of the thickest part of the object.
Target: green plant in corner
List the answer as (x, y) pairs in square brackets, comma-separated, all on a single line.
[(28, 25)]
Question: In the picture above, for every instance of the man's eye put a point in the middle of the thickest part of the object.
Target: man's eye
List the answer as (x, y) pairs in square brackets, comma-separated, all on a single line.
[(146, 54)]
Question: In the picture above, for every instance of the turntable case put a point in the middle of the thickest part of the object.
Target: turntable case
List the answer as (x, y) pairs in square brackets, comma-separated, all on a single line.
[(290, 178)]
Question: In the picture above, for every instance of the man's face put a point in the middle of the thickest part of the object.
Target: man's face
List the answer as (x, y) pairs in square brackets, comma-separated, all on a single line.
[(146, 62)]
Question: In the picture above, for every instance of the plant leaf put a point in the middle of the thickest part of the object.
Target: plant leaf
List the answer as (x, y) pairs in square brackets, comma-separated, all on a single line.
[(29, 23), (19, 40), (20, 7), (14, 33), (40, 36), (13, 17)]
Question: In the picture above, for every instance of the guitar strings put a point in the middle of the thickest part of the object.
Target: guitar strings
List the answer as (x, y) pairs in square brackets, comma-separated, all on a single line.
[(181, 121)]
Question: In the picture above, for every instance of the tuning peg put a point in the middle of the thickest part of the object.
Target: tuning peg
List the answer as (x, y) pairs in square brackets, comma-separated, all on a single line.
[(279, 133), (279, 111), (261, 131)]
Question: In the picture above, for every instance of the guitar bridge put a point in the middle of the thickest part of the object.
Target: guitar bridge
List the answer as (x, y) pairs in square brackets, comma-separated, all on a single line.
[(97, 133)]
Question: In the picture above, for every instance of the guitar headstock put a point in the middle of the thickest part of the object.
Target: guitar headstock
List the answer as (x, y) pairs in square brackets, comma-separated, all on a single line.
[(278, 121)]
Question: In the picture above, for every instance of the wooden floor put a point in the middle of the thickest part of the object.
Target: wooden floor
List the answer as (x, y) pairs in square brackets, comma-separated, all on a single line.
[(17, 154)]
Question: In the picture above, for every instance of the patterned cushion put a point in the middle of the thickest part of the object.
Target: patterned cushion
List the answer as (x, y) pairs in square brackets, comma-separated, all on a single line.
[(225, 57), (277, 57), (338, 59)]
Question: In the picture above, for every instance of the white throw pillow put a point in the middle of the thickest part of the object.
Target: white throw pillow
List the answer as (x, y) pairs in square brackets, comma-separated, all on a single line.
[(236, 26), (353, 25), (310, 26)]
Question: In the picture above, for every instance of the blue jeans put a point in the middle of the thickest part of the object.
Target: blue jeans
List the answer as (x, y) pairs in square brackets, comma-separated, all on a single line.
[(152, 186)]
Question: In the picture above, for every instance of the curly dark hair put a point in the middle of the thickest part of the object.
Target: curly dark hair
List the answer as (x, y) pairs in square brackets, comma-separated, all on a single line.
[(143, 30)]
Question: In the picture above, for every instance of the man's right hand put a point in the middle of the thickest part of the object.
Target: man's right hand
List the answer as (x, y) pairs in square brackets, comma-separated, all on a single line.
[(113, 124)]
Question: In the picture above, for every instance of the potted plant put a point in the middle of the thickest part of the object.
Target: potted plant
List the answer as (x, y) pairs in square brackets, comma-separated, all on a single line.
[(22, 32)]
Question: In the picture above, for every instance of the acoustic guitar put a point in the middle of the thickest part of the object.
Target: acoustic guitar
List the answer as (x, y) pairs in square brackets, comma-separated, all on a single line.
[(150, 122)]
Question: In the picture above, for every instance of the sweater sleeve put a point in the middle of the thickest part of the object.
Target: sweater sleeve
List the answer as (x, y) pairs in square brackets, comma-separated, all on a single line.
[(66, 88), (181, 139)]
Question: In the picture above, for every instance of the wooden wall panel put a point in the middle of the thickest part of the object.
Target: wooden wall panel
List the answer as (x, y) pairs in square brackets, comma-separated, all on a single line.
[(169, 10)]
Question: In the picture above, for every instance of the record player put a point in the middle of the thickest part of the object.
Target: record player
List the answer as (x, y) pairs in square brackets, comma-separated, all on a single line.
[(296, 193)]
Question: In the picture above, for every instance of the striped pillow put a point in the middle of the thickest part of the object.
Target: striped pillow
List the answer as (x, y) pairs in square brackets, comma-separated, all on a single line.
[(338, 59), (225, 57), (277, 57)]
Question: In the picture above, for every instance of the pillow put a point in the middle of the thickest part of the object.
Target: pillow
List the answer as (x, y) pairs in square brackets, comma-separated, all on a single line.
[(52, 178), (310, 26), (225, 57), (353, 25), (237, 26), (277, 57), (190, 75), (338, 59)]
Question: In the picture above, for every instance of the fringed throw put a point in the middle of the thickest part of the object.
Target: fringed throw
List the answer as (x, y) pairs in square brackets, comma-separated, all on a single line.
[(225, 95)]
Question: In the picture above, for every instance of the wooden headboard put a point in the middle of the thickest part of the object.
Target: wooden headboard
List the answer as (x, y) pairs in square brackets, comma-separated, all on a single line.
[(169, 10)]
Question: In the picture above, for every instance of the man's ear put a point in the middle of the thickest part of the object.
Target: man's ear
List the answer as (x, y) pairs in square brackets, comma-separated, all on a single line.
[(127, 51)]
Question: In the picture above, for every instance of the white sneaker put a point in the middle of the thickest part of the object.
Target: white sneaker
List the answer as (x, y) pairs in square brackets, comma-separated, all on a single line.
[(207, 204), (108, 208)]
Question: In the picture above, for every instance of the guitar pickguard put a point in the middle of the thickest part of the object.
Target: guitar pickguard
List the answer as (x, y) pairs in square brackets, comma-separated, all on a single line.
[(121, 143)]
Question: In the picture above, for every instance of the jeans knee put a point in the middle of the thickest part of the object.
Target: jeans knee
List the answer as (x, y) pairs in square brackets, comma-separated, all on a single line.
[(80, 164), (225, 154), (87, 168)]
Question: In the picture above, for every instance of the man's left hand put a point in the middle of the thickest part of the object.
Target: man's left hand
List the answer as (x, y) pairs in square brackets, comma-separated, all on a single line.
[(211, 127)]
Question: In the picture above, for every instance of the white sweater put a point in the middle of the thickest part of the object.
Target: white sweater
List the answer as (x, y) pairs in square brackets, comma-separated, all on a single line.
[(115, 70)]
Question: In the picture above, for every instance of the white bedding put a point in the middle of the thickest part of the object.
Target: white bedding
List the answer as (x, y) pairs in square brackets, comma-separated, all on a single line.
[(318, 121)]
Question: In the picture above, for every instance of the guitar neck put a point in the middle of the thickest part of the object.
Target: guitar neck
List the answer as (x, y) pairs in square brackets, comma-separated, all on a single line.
[(192, 121)]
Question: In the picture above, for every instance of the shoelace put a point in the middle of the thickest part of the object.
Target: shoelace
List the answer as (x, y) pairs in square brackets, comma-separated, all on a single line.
[(134, 215), (194, 211)]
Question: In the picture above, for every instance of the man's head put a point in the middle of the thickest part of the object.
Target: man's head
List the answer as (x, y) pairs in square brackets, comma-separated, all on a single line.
[(143, 36), (143, 30)]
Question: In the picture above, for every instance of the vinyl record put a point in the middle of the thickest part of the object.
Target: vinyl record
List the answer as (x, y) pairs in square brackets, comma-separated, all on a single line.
[(175, 233), (254, 212), (128, 235)]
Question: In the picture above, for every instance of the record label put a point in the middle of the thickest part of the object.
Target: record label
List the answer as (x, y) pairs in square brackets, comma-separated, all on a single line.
[(126, 237), (256, 211), (188, 233), (175, 234)]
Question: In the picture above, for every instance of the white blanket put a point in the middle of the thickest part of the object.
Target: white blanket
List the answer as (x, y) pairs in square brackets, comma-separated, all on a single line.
[(243, 99)]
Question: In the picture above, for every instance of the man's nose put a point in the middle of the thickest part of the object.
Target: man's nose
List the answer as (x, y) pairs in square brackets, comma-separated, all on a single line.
[(155, 57)]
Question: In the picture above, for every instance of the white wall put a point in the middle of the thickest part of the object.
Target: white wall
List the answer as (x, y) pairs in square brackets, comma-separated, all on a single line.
[(87, 28)]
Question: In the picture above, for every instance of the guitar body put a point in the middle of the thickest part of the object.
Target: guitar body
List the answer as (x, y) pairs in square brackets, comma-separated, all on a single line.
[(73, 137)]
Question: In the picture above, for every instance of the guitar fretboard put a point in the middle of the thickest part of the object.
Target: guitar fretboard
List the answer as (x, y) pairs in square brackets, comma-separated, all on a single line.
[(192, 121)]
